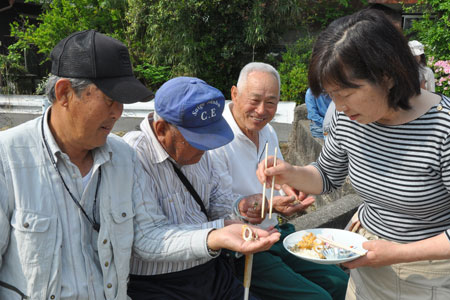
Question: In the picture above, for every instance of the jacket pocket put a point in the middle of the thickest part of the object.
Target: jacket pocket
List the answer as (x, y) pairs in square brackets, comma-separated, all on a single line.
[(121, 241), (123, 227), (32, 236)]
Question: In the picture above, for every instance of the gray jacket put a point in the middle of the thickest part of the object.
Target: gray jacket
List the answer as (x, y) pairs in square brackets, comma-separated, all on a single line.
[(30, 232)]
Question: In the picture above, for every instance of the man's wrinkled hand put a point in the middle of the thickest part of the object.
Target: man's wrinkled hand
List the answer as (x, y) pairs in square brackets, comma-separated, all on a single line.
[(250, 208), (294, 202), (231, 237)]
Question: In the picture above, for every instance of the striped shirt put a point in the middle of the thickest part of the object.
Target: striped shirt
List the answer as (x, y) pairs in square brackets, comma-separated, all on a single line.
[(175, 201), (402, 172)]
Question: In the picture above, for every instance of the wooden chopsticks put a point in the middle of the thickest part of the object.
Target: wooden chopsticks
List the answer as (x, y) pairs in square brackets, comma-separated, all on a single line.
[(273, 184), (339, 245), (249, 257), (264, 184), (247, 274)]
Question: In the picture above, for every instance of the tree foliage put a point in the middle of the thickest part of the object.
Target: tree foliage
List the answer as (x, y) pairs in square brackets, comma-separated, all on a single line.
[(433, 30), (319, 13), (63, 17), (294, 70), (210, 39), (10, 72), (214, 39)]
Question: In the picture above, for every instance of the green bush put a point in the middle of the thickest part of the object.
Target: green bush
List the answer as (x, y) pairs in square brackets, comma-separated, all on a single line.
[(10, 73), (152, 76), (294, 70), (210, 39), (433, 30)]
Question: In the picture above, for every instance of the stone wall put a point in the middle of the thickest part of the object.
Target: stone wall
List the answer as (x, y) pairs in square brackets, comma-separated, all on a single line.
[(331, 210)]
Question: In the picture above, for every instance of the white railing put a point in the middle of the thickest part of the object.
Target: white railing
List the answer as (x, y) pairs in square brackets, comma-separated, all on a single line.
[(20, 108)]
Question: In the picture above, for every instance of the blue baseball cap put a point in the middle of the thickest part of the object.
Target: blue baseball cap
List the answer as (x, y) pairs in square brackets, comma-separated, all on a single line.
[(195, 108)]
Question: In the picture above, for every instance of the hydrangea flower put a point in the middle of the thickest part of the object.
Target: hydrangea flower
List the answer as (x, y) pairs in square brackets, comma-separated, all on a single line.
[(441, 70)]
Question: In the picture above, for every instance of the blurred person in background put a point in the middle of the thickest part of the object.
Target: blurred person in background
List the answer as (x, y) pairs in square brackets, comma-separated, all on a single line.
[(317, 108), (426, 76)]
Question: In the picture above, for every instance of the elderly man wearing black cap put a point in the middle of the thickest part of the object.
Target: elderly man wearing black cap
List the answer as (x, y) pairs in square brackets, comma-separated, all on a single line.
[(172, 145), (67, 187)]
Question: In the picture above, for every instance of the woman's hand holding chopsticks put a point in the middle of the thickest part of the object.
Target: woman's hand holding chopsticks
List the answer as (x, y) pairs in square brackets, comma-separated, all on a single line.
[(307, 179), (282, 172)]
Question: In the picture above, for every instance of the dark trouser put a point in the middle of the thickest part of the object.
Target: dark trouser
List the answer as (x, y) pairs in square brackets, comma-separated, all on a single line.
[(211, 281), (279, 275)]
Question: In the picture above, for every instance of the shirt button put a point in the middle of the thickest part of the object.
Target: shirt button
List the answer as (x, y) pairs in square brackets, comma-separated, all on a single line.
[(105, 241), (26, 225), (439, 107), (106, 264), (52, 297), (109, 285), (124, 214)]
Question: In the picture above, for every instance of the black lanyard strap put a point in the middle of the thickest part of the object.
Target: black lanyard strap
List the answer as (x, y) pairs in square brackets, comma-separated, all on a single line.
[(190, 188), (93, 222), (14, 289)]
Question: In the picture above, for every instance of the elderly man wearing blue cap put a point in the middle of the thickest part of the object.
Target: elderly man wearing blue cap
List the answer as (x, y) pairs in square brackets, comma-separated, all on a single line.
[(172, 146)]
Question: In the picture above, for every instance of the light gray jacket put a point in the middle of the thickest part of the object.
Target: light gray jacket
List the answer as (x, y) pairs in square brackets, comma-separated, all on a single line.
[(30, 232)]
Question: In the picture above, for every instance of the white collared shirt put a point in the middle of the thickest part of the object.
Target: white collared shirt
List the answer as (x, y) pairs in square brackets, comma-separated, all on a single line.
[(237, 161), (82, 276)]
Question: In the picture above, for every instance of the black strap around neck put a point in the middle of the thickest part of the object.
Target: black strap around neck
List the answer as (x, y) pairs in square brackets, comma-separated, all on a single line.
[(190, 188), (14, 289)]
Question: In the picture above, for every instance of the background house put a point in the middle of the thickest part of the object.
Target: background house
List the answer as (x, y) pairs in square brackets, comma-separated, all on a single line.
[(15, 11), (405, 18)]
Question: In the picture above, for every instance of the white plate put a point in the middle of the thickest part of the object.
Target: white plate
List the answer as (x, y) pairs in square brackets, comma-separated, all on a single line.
[(342, 236)]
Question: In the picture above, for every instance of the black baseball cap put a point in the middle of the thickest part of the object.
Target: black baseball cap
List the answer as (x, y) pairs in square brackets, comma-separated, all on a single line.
[(102, 59)]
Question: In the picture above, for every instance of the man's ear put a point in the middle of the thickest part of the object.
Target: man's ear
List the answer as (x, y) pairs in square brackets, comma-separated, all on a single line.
[(63, 92), (234, 93), (161, 128)]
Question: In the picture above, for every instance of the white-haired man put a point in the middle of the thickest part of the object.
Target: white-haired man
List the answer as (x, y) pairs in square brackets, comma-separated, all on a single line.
[(276, 273)]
